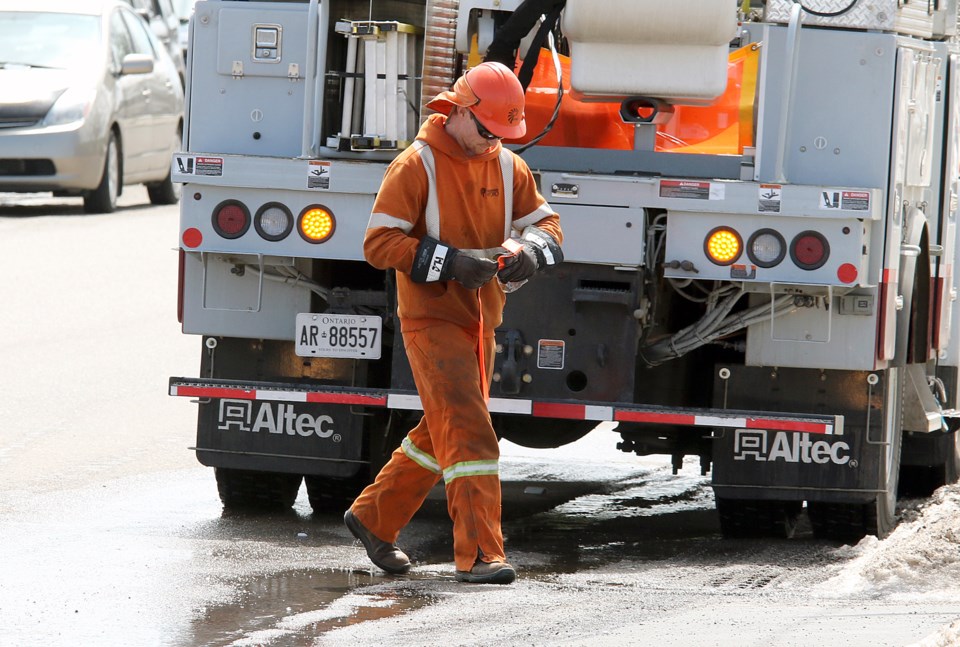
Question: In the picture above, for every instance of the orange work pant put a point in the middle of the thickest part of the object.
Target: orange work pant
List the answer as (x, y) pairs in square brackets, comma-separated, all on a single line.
[(454, 439)]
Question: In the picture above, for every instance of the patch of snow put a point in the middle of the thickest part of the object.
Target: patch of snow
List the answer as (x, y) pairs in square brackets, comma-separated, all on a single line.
[(948, 636), (920, 557)]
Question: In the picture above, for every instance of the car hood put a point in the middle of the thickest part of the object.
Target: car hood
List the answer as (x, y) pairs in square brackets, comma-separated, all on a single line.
[(27, 94)]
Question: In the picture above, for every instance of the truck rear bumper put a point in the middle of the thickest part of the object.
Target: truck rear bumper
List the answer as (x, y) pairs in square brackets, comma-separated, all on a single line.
[(567, 410)]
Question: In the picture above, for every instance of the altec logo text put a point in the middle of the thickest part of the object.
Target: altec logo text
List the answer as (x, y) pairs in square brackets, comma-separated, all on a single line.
[(789, 447), (238, 415)]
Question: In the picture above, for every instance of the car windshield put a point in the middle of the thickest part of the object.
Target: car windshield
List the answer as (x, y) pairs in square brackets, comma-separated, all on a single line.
[(57, 40)]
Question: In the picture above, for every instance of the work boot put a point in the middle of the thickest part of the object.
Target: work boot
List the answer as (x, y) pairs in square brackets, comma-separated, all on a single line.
[(383, 554), (488, 573)]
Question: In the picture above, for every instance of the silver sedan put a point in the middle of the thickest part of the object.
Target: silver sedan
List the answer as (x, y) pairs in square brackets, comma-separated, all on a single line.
[(89, 102)]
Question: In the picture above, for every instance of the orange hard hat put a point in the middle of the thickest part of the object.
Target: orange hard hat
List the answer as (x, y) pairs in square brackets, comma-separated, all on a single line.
[(493, 94)]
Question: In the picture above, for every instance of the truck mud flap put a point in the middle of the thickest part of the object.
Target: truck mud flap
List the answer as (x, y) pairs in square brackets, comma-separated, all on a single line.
[(276, 436), (789, 465)]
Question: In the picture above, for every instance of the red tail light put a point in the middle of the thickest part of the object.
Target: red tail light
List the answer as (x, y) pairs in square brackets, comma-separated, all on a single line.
[(231, 219), (809, 250)]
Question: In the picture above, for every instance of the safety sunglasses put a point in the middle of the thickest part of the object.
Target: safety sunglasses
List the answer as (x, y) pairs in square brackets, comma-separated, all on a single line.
[(483, 132)]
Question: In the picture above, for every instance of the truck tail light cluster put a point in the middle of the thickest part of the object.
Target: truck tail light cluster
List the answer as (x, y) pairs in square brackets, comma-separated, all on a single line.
[(273, 221), (809, 250)]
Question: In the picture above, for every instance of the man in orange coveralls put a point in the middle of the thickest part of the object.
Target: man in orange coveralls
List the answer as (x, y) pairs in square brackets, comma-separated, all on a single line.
[(447, 205)]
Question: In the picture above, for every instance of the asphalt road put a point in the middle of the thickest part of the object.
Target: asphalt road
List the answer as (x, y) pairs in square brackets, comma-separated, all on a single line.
[(112, 534)]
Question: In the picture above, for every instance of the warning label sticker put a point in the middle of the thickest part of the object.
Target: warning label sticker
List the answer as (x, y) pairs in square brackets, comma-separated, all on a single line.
[(550, 353), (212, 166), (691, 190), (847, 200), (855, 200), (318, 174), (769, 197)]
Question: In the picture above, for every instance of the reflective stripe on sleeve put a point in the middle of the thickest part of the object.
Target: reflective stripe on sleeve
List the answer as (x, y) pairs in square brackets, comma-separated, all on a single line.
[(383, 220), (471, 468), (420, 457), (506, 171), (432, 211), (539, 214)]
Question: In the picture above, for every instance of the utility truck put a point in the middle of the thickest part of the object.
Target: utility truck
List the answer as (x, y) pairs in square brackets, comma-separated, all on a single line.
[(759, 206)]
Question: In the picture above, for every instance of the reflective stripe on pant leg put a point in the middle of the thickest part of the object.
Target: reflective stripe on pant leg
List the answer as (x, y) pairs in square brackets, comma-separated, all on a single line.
[(420, 457), (443, 359), (471, 468), (387, 505)]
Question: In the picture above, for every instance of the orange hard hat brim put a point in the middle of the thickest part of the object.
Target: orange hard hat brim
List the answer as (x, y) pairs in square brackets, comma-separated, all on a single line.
[(460, 95), (463, 96)]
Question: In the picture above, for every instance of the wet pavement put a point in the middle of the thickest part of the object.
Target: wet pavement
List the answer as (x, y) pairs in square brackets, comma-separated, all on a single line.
[(112, 534), (153, 559)]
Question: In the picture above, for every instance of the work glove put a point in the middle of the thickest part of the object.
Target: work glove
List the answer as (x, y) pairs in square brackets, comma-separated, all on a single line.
[(436, 261), (520, 266), (539, 252), (472, 271)]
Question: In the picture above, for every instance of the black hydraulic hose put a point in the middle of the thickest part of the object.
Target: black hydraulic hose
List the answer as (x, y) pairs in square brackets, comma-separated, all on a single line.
[(828, 14), (506, 40)]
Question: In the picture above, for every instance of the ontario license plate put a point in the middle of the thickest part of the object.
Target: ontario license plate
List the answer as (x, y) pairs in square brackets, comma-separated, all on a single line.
[(332, 335)]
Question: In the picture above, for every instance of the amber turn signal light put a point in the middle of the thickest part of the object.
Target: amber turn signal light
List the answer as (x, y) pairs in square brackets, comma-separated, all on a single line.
[(723, 245), (316, 224)]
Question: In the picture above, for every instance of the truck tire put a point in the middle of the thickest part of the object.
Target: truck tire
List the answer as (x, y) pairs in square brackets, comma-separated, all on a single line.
[(742, 518), (243, 490), (922, 480), (384, 432), (540, 433), (332, 495), (850, 522), (103, 199)]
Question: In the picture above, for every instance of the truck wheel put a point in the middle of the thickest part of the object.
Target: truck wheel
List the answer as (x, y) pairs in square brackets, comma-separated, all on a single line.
[(850, 522), (540, 433), (247, 490), (331, 495), (922, 480), (385, 431), (103, 199), (741, 518), (951, 469)]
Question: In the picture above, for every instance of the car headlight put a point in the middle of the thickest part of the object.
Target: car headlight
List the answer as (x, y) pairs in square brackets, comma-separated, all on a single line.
[(72, 106)]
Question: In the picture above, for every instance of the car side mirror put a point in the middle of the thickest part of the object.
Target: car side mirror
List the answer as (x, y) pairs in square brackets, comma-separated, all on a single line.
[(136, 64)]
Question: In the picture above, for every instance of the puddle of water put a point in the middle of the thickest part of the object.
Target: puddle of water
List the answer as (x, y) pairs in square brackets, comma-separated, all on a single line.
[(285, 608)]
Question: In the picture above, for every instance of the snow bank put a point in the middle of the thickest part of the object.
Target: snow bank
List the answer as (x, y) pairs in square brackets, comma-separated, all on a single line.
[(921, 557), (949, 636)]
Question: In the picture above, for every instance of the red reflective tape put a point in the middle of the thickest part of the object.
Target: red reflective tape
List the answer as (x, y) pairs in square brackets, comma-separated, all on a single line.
[(348, 398), (788, 425), (554, 410), (216, 392), (660, 418)]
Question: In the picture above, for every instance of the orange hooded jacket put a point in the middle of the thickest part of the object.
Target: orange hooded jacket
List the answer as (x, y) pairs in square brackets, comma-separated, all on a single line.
[(470, 196)]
